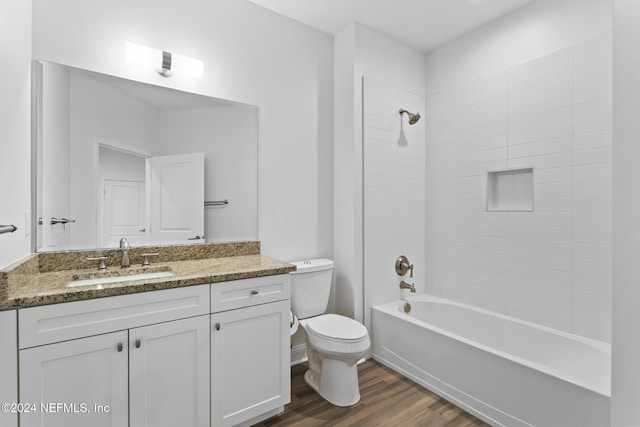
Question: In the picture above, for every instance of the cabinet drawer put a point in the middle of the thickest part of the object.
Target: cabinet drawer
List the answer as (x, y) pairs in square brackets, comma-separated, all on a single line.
[(60, 322), (248, 292)]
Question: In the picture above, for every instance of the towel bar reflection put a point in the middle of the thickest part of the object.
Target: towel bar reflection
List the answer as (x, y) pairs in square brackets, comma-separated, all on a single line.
[(7, 229), (216, 203)]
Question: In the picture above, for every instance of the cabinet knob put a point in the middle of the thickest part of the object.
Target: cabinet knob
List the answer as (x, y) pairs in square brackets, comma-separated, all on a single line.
[(254, 292), (137, 343), (217, 326), (119, 347)]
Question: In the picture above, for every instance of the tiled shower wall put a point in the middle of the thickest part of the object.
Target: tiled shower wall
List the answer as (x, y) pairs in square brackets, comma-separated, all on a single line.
[(551, 266), (394, 191)]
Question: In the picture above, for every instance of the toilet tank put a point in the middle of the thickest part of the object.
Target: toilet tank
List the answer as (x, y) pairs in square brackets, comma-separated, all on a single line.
[(311, 287)]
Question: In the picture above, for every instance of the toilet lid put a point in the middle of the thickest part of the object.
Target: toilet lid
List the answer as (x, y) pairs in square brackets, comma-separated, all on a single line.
[(336, 327)]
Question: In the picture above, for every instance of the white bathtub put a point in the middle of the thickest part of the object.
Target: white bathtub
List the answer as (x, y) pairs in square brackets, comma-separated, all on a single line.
[(503, 370)]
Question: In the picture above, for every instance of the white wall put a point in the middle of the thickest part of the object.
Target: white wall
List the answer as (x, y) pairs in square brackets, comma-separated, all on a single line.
[(360, 52), (251, 55), (530, 90), (541, 27), (15, 116), (625, 393)]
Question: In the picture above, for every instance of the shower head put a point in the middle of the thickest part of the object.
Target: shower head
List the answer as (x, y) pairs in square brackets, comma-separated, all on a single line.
[(413, 118)]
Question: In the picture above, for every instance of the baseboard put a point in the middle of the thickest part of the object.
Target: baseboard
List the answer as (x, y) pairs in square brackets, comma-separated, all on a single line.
[(298, 354)]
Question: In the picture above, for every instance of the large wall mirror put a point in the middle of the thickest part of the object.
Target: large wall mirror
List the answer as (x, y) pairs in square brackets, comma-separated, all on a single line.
[(118, 158)]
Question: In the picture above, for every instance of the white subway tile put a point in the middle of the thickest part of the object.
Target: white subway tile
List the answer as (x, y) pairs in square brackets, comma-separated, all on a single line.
[(592, 156), (545, 161), (553, 189), (533, 260), (592, 235), (598, 75), (594, 107), (555, 233), (555, 72), (594, 188), (592, 283), (592, 140), (519, 107), (540, 63), (540, 219), (556, 131), (595, 60), (537, 274), (592, 267), (480, 144), (592, 172), (553, 204), (525, 286), (542, 119), (485, 130), (485, 156), (592, 92), (543, 176), (545, 247), (592, 251), (481, 241), (541, 92), (592, 322), (592, 204), (592, 219), (551, 146), (593, 124)]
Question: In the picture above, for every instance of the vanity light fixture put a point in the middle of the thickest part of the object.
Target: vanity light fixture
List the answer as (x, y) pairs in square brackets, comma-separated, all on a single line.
[(165, 63)]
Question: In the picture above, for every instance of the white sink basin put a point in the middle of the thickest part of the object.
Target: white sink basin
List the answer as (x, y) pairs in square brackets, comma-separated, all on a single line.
[(114, 279)]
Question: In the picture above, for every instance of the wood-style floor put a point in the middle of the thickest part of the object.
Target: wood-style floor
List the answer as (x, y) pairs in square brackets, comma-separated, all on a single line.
[(387, 399)]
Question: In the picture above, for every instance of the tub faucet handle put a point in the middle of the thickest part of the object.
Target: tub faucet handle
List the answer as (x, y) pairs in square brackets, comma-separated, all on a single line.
[(403, 265)]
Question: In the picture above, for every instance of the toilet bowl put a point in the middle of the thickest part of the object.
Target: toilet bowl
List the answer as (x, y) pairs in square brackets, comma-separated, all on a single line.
[(333, 357), (334, 343)]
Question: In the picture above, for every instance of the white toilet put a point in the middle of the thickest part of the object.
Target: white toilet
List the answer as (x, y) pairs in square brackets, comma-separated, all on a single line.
[(334, 343)]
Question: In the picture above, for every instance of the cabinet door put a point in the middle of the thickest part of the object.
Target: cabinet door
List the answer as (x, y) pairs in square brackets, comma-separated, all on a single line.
[(169, 374), (8, 365), (250, 372), (76, 383)]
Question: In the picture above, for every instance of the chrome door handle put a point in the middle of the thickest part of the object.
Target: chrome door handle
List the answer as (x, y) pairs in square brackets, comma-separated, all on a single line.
[(196, 238)]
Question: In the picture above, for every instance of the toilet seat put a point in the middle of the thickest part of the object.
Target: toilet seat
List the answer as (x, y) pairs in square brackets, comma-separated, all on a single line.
[(333, 327)]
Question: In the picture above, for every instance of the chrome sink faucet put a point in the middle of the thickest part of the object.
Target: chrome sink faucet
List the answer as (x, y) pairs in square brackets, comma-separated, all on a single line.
[(124, 247)]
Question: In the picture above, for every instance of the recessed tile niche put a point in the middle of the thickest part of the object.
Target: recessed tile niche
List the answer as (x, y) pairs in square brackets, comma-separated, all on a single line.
[(510, 190)]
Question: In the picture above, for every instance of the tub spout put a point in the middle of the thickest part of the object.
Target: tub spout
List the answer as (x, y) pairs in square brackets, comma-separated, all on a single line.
[(405, 285)]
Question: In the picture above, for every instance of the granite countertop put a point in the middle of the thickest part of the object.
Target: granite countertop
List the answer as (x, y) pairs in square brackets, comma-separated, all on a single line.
[(27, 285)]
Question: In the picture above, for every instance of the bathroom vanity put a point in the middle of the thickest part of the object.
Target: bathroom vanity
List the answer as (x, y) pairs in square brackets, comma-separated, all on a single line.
[(207, 346)]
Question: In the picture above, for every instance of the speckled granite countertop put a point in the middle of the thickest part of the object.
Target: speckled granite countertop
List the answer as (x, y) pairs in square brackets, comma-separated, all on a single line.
[(42, 279)]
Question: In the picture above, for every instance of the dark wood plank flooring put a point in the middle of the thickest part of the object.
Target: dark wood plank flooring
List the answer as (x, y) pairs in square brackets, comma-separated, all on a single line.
[(388, 399)]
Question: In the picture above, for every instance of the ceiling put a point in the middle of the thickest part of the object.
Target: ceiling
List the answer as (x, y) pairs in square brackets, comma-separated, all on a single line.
[(421, 24)]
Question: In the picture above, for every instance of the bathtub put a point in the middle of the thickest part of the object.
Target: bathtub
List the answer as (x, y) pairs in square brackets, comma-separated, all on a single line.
[(503, 370)]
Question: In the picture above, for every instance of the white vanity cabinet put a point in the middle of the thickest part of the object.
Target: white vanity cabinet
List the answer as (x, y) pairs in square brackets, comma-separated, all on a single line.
[(250, 357), (80, 374), (8, 366), (169, 374), (152, 370)]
